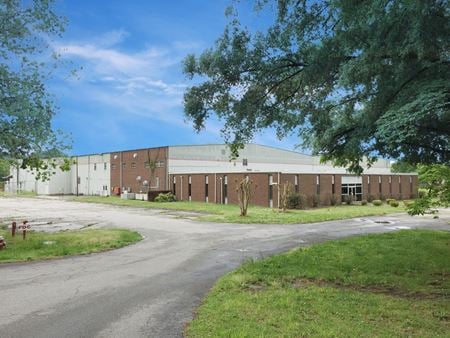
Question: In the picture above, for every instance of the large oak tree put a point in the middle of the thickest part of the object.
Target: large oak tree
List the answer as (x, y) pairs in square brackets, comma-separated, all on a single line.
[(354, 78), (26, 62)]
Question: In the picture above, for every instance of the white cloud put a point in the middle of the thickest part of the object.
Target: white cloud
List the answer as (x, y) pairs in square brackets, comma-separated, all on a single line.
[(146, 85), (146, 82), (112, 38)]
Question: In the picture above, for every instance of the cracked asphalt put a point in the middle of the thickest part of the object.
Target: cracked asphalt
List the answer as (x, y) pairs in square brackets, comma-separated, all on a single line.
[(149, 289)]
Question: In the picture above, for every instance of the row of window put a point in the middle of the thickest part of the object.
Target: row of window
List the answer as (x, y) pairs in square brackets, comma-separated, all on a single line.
[(105, 166), (133, 165)]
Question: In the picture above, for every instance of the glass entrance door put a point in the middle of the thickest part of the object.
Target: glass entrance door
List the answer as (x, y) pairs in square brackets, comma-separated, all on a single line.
[(351, 189)]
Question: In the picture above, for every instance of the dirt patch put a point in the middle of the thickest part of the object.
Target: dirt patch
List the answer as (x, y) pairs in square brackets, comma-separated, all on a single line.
[(299, 283)]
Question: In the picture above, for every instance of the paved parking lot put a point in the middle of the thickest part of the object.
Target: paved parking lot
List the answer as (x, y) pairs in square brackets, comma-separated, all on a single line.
[(149, 289)]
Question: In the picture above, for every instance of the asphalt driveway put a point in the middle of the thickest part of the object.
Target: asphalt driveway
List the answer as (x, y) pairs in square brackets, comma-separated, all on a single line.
[(149, 289)]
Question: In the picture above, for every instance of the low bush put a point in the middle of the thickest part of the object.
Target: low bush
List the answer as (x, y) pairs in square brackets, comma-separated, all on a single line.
[(407, 204), (334, 200), (422, 193), (394, 204), (349, 199), (382, 197), (370, 198), (363, 202), (296, 201), (389, 200), (168, 197), (377, 203), (315, 201)]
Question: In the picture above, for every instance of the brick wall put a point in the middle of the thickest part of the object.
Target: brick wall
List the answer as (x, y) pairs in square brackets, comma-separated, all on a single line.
[(306, 186), (126, 166)]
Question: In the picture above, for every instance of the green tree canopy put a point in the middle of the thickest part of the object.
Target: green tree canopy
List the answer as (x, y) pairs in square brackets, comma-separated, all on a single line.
[(26, 62), (435, 179), (403, 167), (4, 169), (355, 79)]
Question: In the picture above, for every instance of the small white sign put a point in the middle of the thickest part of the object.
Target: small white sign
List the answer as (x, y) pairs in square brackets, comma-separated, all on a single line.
[(24, 227)]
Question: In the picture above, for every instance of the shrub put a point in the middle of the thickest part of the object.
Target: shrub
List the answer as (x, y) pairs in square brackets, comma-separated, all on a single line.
[(363, 202), (382, 197), (315, 201), (422, 193), (370, 198), (394, 204), (407, 204), (296, 201), (334, 200), (377, 202), (168, 197), (348, 199), (389, 200)]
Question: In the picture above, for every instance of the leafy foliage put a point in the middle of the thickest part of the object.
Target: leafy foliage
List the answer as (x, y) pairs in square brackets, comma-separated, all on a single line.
[(165, 197), (4, 169), (244, 192), (436, 180), (26, 62), (377, 203), (297, 201), (354, 79), (286, 191), (403, 167)]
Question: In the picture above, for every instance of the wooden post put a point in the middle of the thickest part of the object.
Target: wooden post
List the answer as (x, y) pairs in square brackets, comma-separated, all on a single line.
[(24, 233), (13, 229)]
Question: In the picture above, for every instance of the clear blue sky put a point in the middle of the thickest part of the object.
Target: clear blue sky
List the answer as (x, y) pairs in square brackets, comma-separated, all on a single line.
[(128, 92)]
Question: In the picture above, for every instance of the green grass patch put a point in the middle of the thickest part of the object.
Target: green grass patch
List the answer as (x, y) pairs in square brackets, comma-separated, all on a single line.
[(41, 245), (20, 194), (388, 285), (230, 213)]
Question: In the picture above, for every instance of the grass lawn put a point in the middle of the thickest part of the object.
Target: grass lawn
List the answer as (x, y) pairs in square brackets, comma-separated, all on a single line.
[(230, 213), (388, 285), (20, 194), (63, 243)]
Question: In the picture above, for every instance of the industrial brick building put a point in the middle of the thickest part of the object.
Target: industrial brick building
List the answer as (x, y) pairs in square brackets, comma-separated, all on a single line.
[(206, 173)]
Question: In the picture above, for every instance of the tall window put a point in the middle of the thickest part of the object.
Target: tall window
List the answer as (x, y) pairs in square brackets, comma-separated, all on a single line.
[(368, 184), (270, 191), (390, 185), (174, 185), (379, 184), (400, 185), (332, 185), (95, 166), (105, 166), (190, 188), (206, 188), (225, 190), (410, 185), (133, 165), (296, 183), (318, 184)]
